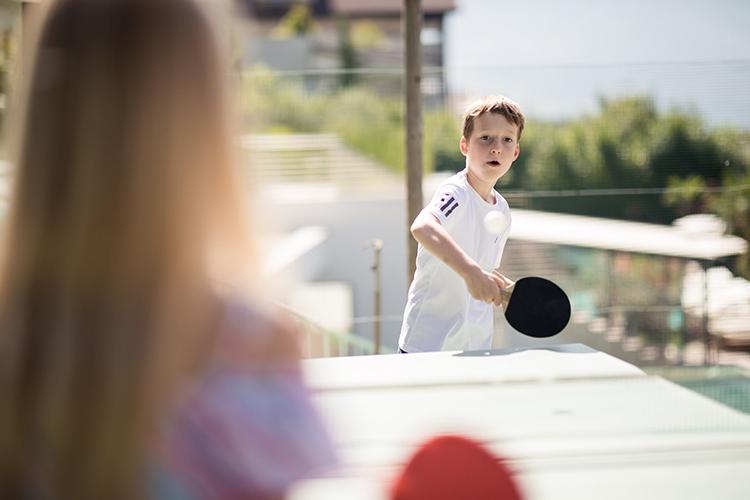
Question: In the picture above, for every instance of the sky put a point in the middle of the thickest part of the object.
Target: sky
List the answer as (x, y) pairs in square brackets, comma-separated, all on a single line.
[(557, 57)]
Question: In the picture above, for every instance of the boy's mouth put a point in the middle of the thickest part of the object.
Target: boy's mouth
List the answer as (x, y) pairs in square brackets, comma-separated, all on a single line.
[(493, 163)]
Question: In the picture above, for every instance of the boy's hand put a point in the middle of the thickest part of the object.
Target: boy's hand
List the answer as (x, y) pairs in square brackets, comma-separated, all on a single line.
[(483, 285), (506, 288)]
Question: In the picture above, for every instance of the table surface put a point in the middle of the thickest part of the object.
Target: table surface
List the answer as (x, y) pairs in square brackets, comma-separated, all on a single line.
[(518, 365), (572, 422)]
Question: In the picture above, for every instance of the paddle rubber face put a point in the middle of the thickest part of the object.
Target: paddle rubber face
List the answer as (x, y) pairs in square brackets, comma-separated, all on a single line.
[(451, 467), (538, 307)]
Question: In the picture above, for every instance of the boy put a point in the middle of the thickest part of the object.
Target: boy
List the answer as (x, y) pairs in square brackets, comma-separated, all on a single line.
[(450, 300)]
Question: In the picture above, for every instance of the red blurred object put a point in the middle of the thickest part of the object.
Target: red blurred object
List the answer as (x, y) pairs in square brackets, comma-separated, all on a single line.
[(455, 467)]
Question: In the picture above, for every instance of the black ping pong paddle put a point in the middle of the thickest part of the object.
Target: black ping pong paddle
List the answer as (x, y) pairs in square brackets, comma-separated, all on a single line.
[(537, 307)]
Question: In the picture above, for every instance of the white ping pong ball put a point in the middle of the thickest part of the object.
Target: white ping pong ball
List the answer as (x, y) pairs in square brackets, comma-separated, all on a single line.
[(495, 222)]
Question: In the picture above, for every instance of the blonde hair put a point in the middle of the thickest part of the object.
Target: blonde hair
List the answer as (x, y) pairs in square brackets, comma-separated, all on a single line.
[(498, 104), (125, 201)]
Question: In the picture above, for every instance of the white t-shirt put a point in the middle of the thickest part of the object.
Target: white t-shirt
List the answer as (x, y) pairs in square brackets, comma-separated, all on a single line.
[(440, 313)]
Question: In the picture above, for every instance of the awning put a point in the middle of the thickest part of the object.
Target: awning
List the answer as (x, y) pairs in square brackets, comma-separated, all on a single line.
[(625, 236)]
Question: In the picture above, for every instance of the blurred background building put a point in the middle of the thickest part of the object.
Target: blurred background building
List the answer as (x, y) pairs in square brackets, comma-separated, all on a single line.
[(630, 117), (637, 112)]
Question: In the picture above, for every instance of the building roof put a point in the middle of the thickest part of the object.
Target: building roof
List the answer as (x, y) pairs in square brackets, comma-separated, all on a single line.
[(352, 8), (625, 236), (381, 7)]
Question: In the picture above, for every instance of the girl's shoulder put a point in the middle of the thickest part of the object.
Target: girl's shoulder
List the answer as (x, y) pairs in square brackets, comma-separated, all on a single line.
[(255, 336)]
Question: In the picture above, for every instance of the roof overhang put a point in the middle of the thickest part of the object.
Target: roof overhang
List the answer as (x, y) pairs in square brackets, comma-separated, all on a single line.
[(624, 236)]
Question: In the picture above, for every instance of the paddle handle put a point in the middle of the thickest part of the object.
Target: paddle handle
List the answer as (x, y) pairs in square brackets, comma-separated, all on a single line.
[(505, 294)]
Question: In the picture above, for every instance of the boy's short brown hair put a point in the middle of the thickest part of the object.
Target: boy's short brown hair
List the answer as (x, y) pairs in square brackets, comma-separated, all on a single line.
[(494, 104)]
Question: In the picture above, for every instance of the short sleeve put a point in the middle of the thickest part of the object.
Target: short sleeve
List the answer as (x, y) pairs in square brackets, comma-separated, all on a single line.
[(447, 203)]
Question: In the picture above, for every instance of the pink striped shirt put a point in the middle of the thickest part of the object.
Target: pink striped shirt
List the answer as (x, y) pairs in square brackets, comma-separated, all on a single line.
[(248, 428)]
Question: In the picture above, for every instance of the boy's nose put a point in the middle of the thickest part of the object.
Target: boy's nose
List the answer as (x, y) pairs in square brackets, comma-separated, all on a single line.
[(494, 151)]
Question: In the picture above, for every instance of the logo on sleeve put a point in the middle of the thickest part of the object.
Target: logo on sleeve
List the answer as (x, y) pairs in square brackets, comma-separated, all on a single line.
[(448, 204)]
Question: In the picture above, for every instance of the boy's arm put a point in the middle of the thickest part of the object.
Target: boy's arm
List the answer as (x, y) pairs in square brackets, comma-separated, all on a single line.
[(482, 285)]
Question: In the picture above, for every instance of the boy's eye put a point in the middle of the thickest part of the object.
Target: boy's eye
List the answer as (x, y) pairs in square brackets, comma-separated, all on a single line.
[(508, 139), (485, 138)]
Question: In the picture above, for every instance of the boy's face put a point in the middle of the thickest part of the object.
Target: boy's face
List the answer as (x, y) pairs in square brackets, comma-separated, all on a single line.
[(492, 147)]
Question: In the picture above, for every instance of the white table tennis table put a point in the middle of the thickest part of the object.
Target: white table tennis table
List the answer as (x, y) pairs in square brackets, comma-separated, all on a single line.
[(572, 422)]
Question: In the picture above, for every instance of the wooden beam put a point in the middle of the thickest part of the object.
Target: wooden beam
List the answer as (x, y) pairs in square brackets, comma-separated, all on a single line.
[(413, 95), (30, 11)]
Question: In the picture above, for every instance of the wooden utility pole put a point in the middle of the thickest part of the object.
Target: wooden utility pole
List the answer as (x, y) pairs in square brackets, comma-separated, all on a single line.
[(30, 10), (377, 246), (705, 265), (413, 93)]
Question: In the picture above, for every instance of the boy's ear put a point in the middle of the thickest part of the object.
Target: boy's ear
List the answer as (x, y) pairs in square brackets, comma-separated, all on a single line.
[(518, 151), (463, 146)]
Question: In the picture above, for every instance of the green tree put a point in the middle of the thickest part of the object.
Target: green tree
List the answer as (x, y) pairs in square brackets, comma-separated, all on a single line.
[(628, 144), (298, 21), (347, 53)]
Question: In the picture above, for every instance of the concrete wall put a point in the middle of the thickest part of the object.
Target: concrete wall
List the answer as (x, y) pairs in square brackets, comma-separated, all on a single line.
[(348, 256)]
